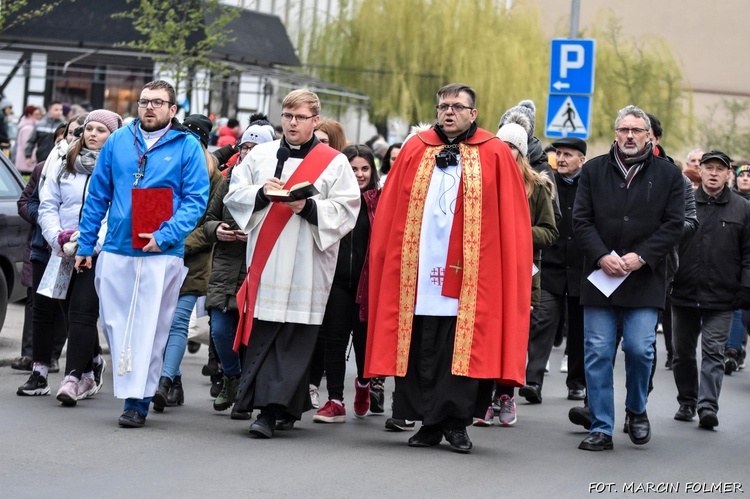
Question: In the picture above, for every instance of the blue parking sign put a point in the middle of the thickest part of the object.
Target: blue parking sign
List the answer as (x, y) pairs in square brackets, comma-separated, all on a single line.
[(572, 66)]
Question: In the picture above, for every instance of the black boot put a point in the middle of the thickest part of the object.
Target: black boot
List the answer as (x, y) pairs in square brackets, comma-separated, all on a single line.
[(217, 382), (176, 395), (162, 393), (212, 366)]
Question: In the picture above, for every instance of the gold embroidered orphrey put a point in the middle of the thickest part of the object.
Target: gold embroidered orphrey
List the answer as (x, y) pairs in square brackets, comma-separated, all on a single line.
[(471, 176)]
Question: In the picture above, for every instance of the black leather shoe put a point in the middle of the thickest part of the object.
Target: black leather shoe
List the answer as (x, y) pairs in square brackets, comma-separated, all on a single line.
[(707, 419), (427, 436), (264, 426), (162, 393), (22, 364), (131, 419), (577, 394), (639, 428), (626, 425), (458, 439), (285, 423), (532, 393), (176, 395), (193, 346), (580, 416), (597, 441), (685, 413), (240, 415)]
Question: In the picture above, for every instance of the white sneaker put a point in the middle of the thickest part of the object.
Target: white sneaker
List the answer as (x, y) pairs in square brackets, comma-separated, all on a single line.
[(315, 396), (86, 388), (564, 364)]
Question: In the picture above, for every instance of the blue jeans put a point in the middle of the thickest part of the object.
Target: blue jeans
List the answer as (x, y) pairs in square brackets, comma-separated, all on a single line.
[(223, 327), (138, 405), (178, 336), (600, 348), (740, 321)]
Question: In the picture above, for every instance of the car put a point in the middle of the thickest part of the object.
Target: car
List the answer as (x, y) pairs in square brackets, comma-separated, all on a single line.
[(13, 233)]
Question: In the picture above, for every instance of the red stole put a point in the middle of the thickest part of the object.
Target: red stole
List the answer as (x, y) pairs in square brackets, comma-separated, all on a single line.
[(309, 170)]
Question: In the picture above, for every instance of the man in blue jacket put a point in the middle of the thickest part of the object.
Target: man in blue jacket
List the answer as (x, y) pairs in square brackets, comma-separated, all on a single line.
[(138, 287)]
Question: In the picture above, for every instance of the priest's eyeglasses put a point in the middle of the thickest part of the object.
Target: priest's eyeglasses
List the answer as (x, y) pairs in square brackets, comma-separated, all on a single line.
[(155, 103), (456, 107), (301, 118)]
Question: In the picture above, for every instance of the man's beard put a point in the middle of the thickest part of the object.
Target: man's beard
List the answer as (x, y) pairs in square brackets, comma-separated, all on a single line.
[(158, 125)]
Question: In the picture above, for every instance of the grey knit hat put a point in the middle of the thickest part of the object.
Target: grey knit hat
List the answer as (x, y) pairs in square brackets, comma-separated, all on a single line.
[(526, 107)]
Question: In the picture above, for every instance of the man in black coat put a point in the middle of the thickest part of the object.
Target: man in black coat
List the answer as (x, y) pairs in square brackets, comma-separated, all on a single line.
[(713, 280), (629, 212), (561, 284)]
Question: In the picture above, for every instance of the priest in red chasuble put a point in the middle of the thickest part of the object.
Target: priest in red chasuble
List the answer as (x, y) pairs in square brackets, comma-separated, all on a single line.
[(450, 274)]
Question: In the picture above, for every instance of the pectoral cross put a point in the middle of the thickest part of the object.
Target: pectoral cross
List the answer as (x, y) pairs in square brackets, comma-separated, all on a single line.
[(456, 267)]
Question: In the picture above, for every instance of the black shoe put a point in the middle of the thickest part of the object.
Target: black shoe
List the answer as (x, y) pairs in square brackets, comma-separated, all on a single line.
[(162, 392), (458, 439), (532, 393), (240, 415), (211, 367), (668, 363), (558, 338), (131, 419), (176, 395), (264, 426), (54, 366), (576, 394), (707, 419), (626, 424), (685, 413), (730, 361), (377, 396), (22, 364), (393, 424), (35, 385), (580, 416), (597, 441), (285, 423), (427, 436), (217, 382), (193, 346), (99, 370), (639, 428)]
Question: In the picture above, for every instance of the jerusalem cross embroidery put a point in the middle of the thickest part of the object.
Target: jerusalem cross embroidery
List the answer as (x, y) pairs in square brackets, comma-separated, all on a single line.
[(437, 275)]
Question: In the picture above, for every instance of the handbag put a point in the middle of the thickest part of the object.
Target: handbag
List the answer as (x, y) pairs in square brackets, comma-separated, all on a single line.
[(56, 278)]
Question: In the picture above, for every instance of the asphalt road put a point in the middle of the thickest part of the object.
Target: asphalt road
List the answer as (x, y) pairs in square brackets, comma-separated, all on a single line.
[(192, 451)]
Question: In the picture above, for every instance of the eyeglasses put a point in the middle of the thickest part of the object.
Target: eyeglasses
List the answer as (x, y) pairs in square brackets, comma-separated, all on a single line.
[(628, 131), (155, 103), (301, 118), (456, 107), (247, 148)]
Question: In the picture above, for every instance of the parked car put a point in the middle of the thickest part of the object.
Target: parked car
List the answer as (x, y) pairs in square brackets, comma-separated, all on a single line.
[(13, 231)]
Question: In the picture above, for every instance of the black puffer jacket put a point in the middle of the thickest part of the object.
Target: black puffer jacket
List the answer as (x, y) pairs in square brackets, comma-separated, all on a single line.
[(715, 263), (229, 268)]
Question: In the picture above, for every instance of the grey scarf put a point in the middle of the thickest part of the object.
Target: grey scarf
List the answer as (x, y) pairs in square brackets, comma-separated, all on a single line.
[(85, 161)]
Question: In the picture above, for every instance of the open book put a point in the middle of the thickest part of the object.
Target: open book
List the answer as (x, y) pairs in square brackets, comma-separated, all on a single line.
[(303, 190)]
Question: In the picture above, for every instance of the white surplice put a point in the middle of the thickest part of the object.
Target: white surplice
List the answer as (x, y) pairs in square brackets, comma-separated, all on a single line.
[(296, 280), (137, 300)]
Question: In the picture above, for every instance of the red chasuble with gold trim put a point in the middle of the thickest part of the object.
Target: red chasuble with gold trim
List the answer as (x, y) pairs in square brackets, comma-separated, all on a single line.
[(488, 267)]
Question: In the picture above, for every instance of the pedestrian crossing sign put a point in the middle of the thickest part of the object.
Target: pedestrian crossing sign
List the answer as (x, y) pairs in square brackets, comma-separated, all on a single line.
[(568, 116)]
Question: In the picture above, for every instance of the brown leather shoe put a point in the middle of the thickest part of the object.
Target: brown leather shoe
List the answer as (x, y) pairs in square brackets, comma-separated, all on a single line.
[(21, 364)]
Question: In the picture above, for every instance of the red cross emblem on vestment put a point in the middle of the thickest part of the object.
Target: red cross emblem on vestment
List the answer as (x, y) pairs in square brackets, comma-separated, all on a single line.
[(437, 275)]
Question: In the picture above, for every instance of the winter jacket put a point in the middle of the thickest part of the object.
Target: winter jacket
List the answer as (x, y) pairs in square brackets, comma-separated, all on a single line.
[(18, 154), (715, 263), (228, 268), (23, 212), (227, 137), (43, 138), (176, 161), (370, 199), (647, 218), (198, 250), (543, 231)]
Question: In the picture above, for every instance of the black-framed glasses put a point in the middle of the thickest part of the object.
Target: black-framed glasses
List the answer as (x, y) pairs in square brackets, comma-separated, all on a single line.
[(628, 131), (301, 118), (244, 148), (155, 103), (456, 107)]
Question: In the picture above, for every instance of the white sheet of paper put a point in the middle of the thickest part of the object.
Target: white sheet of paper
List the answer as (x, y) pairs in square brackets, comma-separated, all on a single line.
[(605, 283)]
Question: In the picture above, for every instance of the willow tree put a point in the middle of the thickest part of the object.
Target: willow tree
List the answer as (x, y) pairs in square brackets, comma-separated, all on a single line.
[(400, 52), (640, 71)]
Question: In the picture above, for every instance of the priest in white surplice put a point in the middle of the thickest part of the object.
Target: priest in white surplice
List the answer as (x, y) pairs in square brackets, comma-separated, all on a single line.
[(291, 254)]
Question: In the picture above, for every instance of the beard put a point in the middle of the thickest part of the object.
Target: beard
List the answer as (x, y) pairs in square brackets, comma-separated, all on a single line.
[(158, 124)]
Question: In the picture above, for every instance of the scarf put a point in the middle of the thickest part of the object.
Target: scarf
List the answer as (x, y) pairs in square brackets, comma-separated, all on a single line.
[(629, 166), (85, 161)]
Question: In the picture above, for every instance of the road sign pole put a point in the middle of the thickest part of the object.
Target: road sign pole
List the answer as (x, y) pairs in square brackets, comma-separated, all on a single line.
[(575, 13)]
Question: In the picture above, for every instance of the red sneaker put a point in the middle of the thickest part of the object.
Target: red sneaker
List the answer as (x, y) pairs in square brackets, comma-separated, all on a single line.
[(331, 413), (361, 399)]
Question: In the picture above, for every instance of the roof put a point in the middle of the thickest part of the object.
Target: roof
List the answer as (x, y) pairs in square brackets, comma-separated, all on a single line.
[(89, 24)]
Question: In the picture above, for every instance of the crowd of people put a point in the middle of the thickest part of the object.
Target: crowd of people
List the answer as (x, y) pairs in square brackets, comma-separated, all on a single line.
[(452, 261)]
